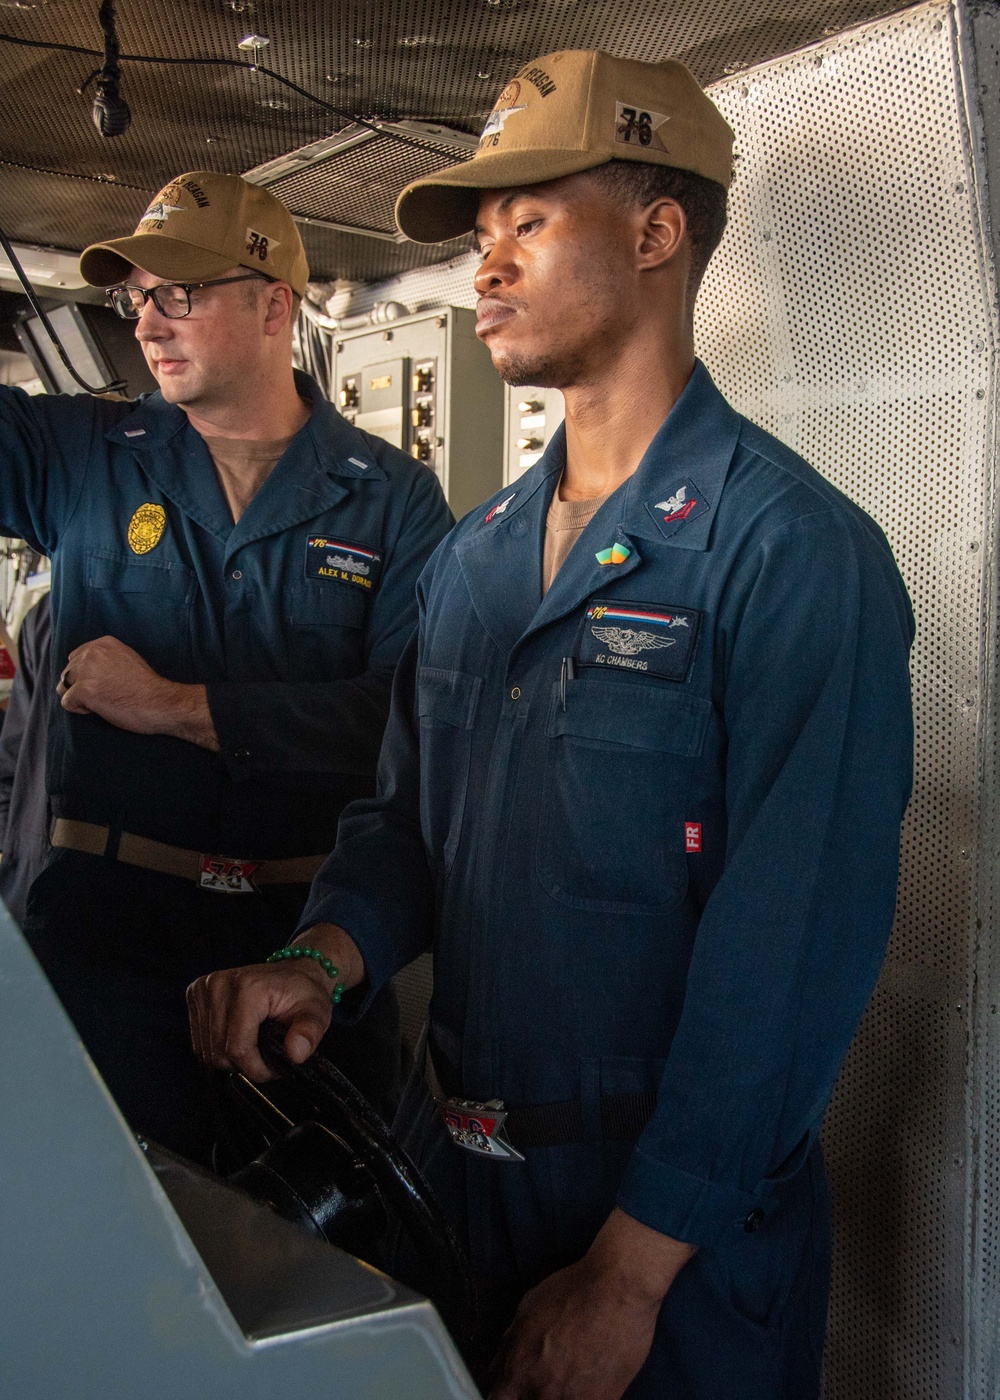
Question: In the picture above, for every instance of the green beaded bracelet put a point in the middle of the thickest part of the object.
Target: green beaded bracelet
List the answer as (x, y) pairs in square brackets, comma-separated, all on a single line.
[(325, 963)]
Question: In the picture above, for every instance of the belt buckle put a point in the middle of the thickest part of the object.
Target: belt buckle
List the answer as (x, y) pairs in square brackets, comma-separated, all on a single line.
[(478, 1128), (227, 876)]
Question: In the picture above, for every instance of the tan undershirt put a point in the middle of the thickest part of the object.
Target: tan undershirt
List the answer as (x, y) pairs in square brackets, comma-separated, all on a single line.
[(564, 524), (243, 467)]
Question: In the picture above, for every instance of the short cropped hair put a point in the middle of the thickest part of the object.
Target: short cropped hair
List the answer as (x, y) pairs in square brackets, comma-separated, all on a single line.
[(703, 201), (251, 291)]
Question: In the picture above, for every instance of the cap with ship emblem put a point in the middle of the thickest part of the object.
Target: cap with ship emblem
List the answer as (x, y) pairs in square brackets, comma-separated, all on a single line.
[(200, 226), (568, 112)]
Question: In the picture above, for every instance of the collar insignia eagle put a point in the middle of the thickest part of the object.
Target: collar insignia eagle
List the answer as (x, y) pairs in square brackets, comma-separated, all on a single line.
[(499, 508), (682, 502), (678, 507)]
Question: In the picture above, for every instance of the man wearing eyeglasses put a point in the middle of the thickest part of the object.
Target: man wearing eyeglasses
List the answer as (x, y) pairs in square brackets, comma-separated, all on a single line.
[(233, 583)]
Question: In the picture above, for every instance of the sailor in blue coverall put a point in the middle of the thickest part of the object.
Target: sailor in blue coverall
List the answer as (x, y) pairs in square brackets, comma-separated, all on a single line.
[(292, 618), (648, 822)]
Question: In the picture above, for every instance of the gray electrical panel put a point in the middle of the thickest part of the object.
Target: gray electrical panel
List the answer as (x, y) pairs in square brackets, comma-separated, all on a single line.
[(531, 416), (427, 385)]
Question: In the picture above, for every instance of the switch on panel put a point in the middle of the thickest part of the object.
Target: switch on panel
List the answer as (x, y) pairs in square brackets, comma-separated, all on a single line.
[(531, 417), (441, 400)]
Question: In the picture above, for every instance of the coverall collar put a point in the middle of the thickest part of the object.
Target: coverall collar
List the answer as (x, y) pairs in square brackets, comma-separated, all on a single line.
[(312, 475), (501, 560)]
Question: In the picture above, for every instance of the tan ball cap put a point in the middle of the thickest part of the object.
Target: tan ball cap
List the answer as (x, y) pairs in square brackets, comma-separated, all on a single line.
[(568, 112), (198, 227)]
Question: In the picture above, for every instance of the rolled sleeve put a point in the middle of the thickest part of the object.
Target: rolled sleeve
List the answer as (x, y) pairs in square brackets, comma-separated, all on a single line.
[(686, 1207)]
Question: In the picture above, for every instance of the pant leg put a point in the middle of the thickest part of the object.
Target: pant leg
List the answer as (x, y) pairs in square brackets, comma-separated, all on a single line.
[(120, 946)]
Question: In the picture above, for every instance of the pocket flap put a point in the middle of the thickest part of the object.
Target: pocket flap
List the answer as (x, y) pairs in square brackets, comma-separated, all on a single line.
[(450, 697), (636, 716), (131, 576), (326, 605)]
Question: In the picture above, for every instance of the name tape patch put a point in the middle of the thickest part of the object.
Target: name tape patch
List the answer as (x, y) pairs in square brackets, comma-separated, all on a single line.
[(639, 637), (342, 562)]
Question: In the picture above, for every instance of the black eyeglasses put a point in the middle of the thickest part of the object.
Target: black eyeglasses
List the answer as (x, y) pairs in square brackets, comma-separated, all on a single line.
[(171, 299)]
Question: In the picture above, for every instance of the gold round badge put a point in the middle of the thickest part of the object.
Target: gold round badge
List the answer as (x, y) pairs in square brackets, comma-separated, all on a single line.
[(145, 529)]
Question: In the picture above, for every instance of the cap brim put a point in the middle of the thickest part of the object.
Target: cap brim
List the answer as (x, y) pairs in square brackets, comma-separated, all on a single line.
[(104, 264), (439, 207)]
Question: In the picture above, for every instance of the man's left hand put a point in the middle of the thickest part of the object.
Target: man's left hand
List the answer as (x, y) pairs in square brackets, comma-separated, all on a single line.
[(584, 1332), (107, 678)]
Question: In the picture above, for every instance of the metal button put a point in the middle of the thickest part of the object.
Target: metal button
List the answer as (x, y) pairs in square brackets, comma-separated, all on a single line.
[(515, 694), (754, 1221), (241, 754), (237, 573)]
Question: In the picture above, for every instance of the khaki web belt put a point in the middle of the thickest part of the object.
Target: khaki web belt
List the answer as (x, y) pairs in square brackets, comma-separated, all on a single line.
[(224, 873)]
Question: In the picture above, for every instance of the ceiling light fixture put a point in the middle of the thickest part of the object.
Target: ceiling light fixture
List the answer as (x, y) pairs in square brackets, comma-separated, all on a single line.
[(48, 266)]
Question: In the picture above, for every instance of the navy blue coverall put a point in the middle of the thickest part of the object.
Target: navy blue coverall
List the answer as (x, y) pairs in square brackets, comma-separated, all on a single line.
[(297, 654), (650, 825)]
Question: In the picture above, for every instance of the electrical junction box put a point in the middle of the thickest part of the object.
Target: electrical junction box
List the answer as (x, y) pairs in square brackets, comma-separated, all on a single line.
[(531, 417), (427, 385)]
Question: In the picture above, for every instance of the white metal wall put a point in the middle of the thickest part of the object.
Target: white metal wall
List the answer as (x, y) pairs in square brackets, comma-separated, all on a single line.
[(850, 310)]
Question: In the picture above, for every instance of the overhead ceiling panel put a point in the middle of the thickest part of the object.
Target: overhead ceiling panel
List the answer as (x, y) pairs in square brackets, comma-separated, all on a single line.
[(359, 186), (427, 60)]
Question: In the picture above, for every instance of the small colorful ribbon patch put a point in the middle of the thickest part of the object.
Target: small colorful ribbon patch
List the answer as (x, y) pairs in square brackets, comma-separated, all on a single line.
[(639, 637), (342, 562), (617, 554)]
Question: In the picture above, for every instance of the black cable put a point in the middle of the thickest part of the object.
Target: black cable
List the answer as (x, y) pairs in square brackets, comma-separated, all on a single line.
[(117, 387), (110, 111), (111, 72), (75, 175), (244, 66)]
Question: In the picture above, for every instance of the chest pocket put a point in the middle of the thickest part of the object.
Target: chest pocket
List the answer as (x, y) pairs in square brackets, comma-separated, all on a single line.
[(145, 605), (446, 708), (618, 771), (326, 631)]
